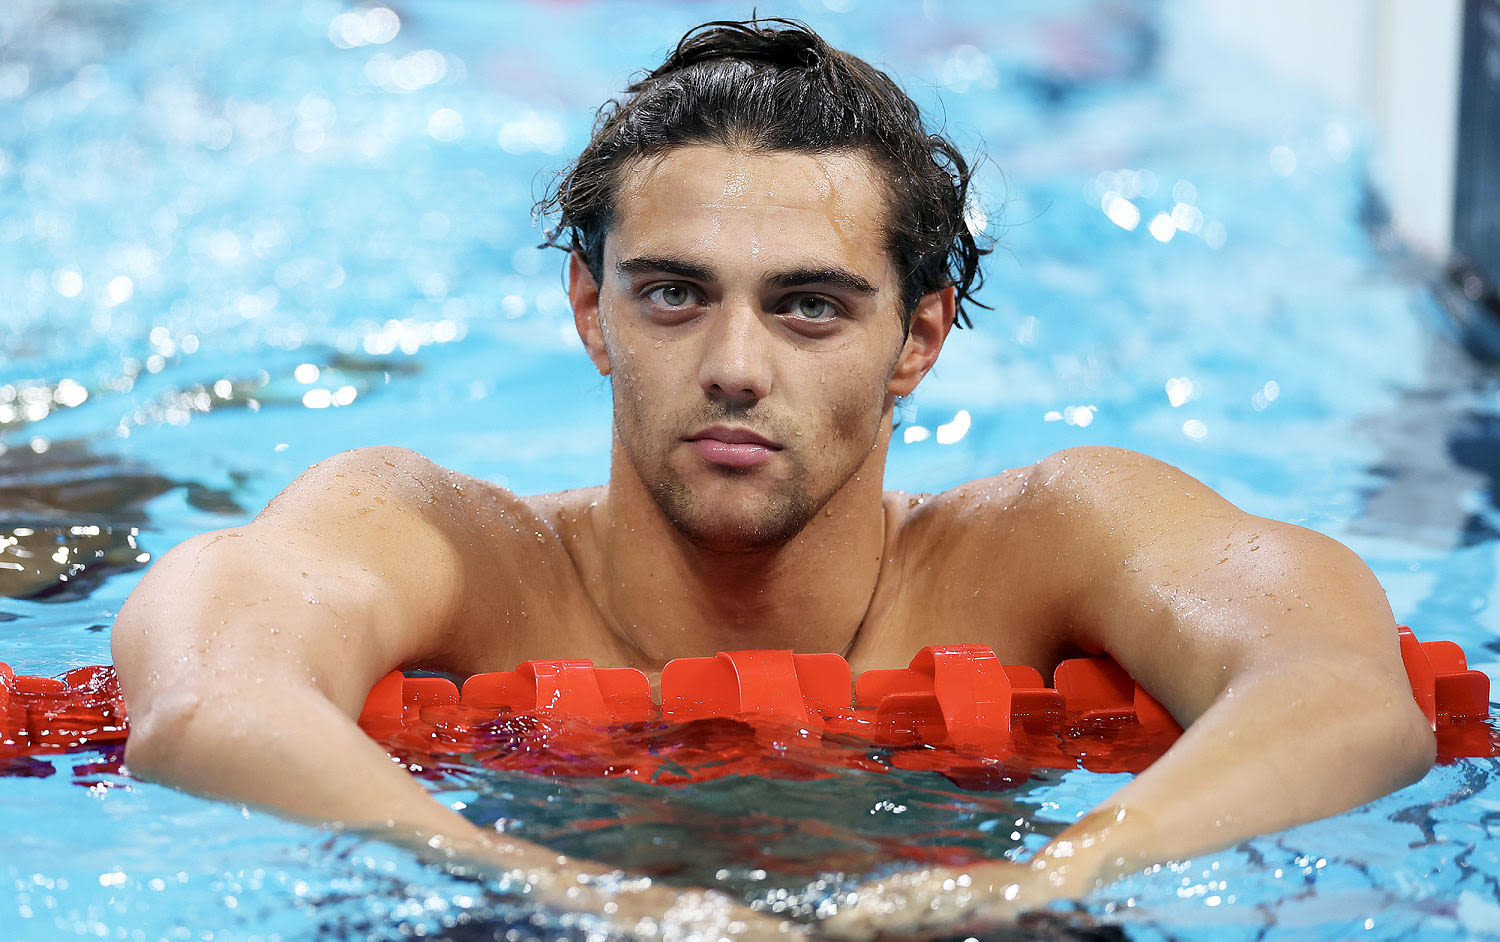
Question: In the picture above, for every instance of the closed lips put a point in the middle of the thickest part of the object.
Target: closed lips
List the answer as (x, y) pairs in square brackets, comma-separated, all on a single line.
[(732, 436)]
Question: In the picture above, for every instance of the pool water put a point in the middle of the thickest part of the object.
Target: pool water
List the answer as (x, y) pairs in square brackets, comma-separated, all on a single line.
[(233, 244)]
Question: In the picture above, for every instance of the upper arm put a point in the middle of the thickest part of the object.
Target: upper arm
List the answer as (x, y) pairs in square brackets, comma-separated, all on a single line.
[(350, 572), (1190, 594)]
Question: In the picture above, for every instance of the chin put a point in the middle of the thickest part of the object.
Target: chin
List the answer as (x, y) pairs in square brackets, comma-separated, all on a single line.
[(714, 522)]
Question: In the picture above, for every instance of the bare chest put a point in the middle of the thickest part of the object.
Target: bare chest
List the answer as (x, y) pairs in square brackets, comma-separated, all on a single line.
[(928, 592), (934, 606)]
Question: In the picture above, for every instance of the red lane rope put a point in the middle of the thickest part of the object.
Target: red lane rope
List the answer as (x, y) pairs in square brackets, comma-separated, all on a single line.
[(955, 710)]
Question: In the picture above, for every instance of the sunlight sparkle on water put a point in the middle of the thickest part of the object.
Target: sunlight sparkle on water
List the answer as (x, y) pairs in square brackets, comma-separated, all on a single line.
[(370, 26), (408, 73), (67, 281), (119, 290), (445, 125), (1080, 416), (950, 432), (532, 131), (1187, 217), (1266, 395), (1180, 389), (1162, 228), (1121, 211)]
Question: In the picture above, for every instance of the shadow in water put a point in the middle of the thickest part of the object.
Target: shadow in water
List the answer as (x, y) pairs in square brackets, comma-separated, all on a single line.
[(69, 518), (1438, 480)]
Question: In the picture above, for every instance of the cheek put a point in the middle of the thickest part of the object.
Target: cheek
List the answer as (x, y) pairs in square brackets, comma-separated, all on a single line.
[(625, 389), (643, 390), (856, 412)]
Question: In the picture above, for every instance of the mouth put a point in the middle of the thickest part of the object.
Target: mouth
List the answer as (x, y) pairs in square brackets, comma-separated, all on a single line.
[(732, 447)]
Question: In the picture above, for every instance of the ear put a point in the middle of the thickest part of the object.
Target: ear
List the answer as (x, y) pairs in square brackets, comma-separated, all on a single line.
[(930, 324), (583, 294)]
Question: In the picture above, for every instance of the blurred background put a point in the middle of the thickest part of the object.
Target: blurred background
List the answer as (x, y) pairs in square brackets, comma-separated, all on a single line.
[(1254, 239)]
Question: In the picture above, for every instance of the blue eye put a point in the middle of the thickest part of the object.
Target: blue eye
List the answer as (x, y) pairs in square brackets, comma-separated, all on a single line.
[(812, 308), (670, 296)]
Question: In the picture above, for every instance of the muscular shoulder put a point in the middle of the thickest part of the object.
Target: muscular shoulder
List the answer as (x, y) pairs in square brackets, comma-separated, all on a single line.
[(383, 481), (1113, 486), (502, 558), (1070, 523), (1069, 492), (356, 477)]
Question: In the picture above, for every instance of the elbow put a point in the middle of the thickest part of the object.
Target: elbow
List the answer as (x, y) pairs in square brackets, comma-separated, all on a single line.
[(159, 737), (1413, 744), (1393, 743)]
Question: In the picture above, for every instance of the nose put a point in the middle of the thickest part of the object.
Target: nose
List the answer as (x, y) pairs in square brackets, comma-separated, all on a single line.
[(736, 366)]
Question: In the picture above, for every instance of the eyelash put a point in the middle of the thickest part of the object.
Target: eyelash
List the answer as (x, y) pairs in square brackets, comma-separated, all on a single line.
[(831, 310), (652, 295)]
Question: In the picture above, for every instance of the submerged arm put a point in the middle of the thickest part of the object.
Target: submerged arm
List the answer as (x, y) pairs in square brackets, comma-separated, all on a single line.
[(1273, 646), (246, 655)]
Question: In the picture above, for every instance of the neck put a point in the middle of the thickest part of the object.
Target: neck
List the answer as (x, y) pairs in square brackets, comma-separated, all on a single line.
[(667, 597)]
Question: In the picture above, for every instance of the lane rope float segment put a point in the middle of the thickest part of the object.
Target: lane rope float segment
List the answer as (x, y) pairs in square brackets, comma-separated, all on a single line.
[(955, 709)]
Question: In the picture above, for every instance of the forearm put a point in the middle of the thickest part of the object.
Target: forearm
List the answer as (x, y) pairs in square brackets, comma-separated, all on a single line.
[(294, 752), (1278, 748), (300, 756)]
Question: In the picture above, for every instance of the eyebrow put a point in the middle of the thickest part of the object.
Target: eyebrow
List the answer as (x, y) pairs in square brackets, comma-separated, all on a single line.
[(832, 277), (840, 278), (654, 265)]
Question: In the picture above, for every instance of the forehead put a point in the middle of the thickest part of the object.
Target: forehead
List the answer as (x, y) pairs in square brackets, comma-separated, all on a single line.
[(774, 207)]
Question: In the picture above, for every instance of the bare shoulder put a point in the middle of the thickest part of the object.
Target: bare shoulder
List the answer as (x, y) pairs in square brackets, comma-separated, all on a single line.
[(1128, 506), (500, 560), (1113, 486), (1099, 506), (563, 510), (1070, 490), (1088, 539), (405, 493), (377, 478)]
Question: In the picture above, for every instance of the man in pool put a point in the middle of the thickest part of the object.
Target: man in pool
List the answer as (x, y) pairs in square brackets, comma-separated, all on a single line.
[(767, 250)]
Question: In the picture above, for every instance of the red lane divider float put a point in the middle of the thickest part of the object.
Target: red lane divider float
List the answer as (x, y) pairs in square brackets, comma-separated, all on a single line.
[(955, 710)]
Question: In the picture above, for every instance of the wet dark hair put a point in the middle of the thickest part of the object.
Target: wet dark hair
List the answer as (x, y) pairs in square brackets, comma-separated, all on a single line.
[(773, 84)]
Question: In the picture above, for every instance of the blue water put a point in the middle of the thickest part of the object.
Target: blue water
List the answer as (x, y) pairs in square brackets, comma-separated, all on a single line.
[(233, 243)]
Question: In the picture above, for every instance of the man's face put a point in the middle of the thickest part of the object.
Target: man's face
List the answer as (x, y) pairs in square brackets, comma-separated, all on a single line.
[(749, 316)]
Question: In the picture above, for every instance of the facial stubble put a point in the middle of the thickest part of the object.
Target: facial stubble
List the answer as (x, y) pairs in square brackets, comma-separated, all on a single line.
[(722, 522)]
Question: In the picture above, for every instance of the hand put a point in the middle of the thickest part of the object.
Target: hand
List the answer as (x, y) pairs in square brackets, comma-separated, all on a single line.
[(951, 900), (635, 907), (673, 914)]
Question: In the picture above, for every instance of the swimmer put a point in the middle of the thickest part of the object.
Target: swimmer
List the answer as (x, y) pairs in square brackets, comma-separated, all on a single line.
[(766, 250)]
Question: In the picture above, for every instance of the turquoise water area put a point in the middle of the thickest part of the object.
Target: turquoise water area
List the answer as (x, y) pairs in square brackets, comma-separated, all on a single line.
[(234, 242)]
